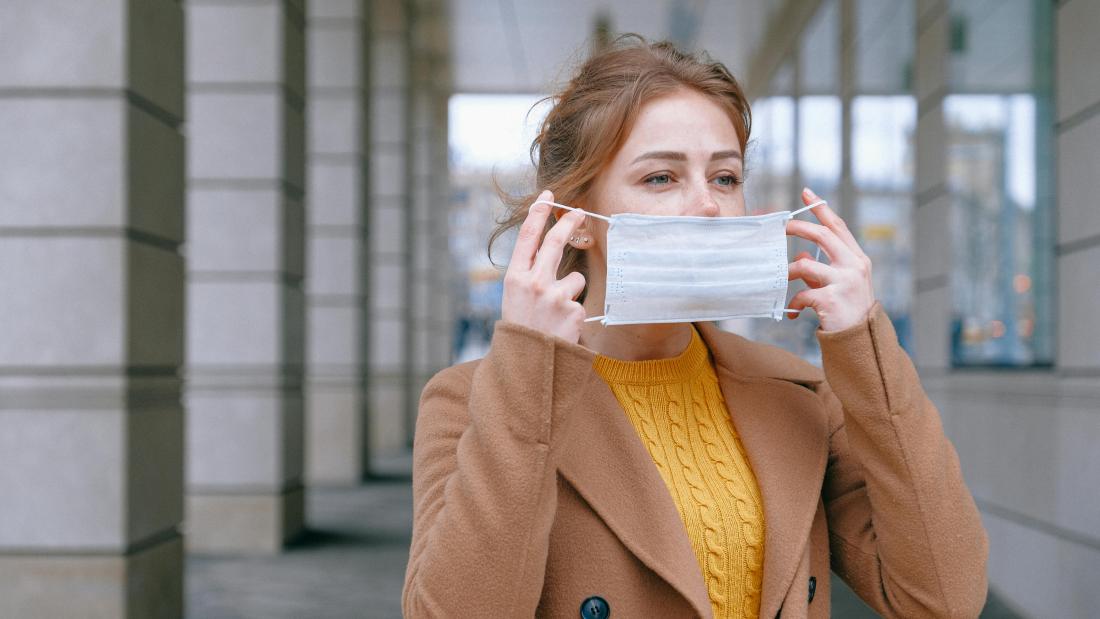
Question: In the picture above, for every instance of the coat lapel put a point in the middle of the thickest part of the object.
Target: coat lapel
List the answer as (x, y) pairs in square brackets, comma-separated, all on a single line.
[(610, 468), (786, 438)]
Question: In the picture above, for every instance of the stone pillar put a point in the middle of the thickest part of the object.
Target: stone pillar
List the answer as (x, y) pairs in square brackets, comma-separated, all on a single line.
[(846, 46), (91, 309), (336, 287), (390, 228), (1077, 127), (246, 98), (431, 272), (932, 215), (443, 273), (796, 181)]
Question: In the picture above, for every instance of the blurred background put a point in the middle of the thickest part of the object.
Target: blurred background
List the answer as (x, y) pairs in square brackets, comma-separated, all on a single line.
[(238, 236)]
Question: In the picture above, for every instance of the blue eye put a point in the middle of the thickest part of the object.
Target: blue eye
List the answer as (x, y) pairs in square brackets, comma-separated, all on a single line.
[(728, 180), (659, 179)]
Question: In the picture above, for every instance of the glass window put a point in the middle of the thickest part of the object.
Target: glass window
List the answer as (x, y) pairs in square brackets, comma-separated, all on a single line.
[(819, 113), (884, 114), (770, 160), (818, 135), (819, 144), (998, 118), (489, 140), (882, 183), (883, 119), (770, 165), (798, 143), (992, 177)]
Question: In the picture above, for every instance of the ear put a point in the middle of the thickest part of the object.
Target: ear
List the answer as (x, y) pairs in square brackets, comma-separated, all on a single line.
[(582, 236)]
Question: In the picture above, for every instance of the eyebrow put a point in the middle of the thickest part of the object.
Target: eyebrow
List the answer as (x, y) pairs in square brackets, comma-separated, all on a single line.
[(677, 156)]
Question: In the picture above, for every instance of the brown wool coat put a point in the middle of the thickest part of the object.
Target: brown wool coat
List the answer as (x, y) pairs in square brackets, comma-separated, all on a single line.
[(532, 491)]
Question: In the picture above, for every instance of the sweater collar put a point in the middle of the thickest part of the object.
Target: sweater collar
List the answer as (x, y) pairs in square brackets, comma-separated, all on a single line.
[(680, 368)]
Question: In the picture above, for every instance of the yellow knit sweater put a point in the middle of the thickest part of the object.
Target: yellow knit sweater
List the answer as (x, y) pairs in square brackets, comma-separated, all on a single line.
[(678, 411)]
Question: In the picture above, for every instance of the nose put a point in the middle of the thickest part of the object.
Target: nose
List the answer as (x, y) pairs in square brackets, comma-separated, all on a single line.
[(700, 202)]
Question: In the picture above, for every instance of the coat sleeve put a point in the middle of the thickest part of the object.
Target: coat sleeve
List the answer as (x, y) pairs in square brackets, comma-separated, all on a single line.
[(904, 531), (484, 476)]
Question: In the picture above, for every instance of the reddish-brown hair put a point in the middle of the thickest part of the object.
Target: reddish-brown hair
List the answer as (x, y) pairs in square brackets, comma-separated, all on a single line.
[(592, 116)]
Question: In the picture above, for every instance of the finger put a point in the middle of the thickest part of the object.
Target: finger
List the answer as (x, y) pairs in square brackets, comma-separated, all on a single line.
[(572, 284), (814, 273), (549, 255), (827, 216), (806, 298), (527, 241), (837, 250)]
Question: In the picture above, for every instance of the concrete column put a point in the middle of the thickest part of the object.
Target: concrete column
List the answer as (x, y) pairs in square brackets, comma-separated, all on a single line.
[(430, 276), (443, 272), (423, 211), (846, 47), (1077, 127), (337, 281), (932, 215), (91, 309), (391, 227), (246, 79), (797, 182)]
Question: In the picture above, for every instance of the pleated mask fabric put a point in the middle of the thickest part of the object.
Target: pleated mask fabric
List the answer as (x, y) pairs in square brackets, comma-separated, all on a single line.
[(663, 269)]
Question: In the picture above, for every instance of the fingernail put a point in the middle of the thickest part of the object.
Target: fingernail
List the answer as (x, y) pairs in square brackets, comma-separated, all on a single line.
[(809, 193)]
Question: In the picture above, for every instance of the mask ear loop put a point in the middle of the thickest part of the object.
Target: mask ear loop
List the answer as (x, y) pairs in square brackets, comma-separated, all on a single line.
[(804, 209), (818, 256), (572, 208), (587, 214)]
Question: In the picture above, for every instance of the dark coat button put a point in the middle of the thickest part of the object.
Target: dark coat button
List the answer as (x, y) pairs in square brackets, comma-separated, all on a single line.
[(595, 607), (813, 587)]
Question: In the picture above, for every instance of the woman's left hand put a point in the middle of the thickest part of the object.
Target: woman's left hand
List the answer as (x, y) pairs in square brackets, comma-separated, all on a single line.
[(839, 292)]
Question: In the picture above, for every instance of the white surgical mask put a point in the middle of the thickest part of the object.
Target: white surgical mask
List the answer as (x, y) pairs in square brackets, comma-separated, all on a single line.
[(688, 269)]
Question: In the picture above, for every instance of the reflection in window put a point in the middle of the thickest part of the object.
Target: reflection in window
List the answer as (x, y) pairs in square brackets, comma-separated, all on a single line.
[(992, 178), (882, 179), (819, 143), (772, 185), (489, 137), (819, 159), (883, 118), (998, 136), (770, 157)]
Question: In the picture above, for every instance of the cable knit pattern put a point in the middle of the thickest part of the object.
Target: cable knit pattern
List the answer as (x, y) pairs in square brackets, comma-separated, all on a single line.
[(678, 411)]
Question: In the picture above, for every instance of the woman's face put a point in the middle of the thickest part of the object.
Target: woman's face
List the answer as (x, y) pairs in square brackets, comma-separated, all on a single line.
[(682, 157)]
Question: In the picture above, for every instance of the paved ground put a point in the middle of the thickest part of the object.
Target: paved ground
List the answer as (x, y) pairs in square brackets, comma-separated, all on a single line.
[(352, 561)]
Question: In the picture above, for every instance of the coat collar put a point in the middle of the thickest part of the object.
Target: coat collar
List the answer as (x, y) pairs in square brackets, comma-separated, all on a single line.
[(786, 441)]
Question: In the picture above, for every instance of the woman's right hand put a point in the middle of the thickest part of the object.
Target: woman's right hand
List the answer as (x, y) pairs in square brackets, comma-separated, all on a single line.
[(533, 295)]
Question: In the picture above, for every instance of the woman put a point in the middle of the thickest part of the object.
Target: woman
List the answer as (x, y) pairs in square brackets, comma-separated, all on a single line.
[(670, 469)]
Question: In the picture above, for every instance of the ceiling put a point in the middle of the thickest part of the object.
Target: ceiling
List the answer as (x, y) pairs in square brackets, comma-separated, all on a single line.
[(528, 46)]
